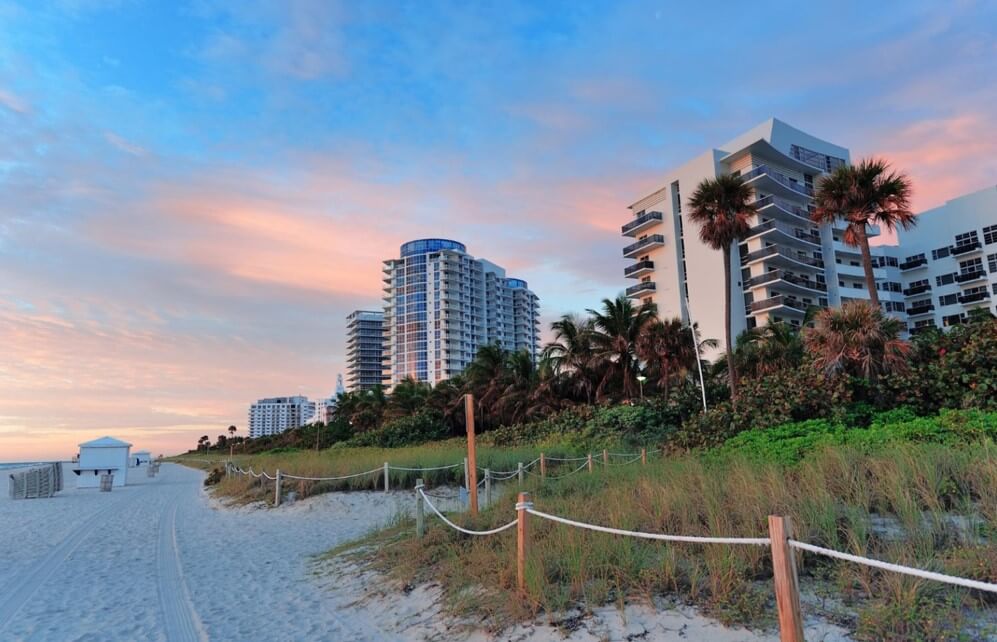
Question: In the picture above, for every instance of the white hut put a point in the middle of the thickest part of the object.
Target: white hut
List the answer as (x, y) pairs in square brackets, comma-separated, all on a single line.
[(102, 456), (141, 458)]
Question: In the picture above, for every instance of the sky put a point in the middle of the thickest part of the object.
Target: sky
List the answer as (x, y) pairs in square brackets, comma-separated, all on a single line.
[(194, 194)]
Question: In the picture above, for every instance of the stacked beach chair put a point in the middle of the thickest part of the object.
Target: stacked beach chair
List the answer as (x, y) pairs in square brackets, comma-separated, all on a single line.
[(34, 483)]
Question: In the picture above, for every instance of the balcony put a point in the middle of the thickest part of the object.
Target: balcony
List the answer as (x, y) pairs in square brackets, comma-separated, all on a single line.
[(791, 233), (764, 176), (780, 275), (970, 276), (642, 222), (778, 254), (790, 211), (638, 269), (652, 241), (973, 297), (778, 301), (636, 291), (917, 289), (913, 311), (922, 328), (966, 248), (913, 263)]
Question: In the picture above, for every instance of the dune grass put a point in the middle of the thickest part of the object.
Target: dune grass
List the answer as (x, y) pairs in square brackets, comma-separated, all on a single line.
[(929, 506), (335, 462)]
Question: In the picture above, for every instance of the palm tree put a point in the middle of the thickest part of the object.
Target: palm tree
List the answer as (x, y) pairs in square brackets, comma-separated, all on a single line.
[(569, 355), (768, 348), (516, 401), (616, 329), (485, 377), (857, 339), (668, 351), (407, 398), (722, 207), (862, 195)]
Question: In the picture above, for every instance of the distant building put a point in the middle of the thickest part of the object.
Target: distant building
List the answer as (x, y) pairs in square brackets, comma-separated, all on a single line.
[(441, 305), (340, 388), (364, 350), (276, 414)]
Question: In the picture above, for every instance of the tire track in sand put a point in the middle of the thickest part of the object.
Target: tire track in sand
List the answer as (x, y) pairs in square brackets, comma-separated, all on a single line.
[(179, 615)]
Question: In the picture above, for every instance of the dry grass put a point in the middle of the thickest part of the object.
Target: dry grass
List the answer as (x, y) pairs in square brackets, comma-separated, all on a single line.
[(926, 506)]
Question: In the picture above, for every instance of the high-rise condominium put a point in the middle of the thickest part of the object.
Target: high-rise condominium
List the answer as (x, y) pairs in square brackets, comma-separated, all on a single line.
[(786, 263), (364, 349), (442, 304), (277, 414)]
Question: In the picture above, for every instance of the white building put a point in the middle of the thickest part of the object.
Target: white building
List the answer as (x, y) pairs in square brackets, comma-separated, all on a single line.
[(364, 349), (442, 304), (949, 264), (785, 265), (106, 455), (276, 414), (141, 458)]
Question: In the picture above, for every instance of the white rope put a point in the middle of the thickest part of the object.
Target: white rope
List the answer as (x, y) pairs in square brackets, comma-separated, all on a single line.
[(566, 458), (504, 477), (759, 541), (393, 467), (461, 529), (896, 568), (623, 463), (369, 472)]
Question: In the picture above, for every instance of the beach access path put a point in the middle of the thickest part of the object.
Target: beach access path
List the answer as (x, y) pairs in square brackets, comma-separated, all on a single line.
[(160, 560)]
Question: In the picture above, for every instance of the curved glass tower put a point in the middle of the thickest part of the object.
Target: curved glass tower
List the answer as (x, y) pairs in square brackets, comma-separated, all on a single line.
[(441, 305)]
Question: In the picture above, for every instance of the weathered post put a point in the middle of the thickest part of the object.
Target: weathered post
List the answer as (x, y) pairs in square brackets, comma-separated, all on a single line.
[(787, 591), (387, 481), (519, 473), (643, 456), (605, 457), (521, 534), (420, 519), (590, 462), (472, 459), (543, 466), (488, 487), (467, 480), (276, 489)]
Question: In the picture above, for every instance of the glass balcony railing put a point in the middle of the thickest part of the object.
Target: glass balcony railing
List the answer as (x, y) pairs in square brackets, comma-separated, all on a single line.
[(640, 288), (641, 221), (970, 275), (653, 239), (637, 268), (917, 289), (774, 251), (783, 204), (914, 262), (965, 248), (777, 275), (777, 301), (973, 297), (920, 309), (778, 177)]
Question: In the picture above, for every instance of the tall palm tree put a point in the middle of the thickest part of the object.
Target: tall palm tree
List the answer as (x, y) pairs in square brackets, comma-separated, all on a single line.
[(862, 195), (722, 207), (616, 329), (857, 339), (569, 355), (407, 397), (516, 400), (485, 377)]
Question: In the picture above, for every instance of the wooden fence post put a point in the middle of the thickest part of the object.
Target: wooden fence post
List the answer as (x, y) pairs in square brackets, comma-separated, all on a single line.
[(467, 480), (472, 459), (488, 487), (643, 456), (276, 489), (420, 519), (519, 473), (787, 590), (521, 543), (387, 480), (605, 457), (543, 466), (590, 462)]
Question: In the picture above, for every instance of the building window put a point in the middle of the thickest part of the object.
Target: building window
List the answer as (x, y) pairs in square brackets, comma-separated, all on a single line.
[(967, 238), (992, 263), (952, 319), (972, 265), (945, 279), (940, 253), (948, 299), (990, 234)]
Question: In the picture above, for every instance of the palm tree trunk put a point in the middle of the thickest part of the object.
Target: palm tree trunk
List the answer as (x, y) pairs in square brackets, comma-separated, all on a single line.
[(731, 372), (870, 277)]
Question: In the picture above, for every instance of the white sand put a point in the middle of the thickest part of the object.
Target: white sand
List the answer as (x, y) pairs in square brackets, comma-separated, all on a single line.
[(160, 560)]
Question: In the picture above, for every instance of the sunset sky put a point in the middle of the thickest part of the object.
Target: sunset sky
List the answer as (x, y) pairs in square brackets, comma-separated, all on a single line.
[(193, 195)]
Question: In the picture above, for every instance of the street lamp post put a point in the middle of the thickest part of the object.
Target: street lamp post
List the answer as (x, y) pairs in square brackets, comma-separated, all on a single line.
[(641, 379)]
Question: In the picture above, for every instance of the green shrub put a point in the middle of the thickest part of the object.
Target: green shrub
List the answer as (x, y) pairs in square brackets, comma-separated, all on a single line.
[(405, 431)]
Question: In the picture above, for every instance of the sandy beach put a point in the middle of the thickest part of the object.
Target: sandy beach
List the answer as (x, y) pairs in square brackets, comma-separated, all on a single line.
[(160, 559)]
